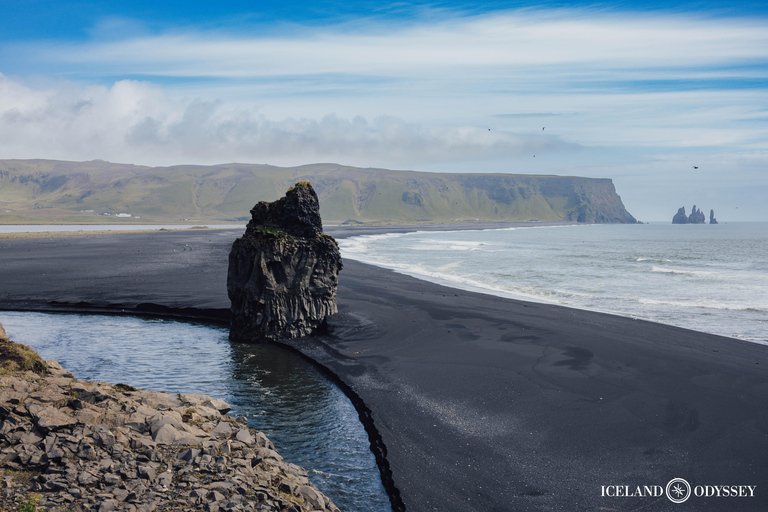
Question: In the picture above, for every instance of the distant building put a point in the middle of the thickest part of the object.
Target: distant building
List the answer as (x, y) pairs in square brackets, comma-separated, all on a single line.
[(123, 215)]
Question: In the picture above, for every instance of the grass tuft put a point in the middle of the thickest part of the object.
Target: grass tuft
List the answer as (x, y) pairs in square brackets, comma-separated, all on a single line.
[(18, 358)]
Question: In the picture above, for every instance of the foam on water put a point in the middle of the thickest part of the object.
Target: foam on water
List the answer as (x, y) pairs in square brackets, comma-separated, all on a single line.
[(707, 278)]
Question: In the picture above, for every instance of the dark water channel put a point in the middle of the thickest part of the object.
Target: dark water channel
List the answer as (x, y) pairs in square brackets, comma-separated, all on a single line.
[(310, 421)]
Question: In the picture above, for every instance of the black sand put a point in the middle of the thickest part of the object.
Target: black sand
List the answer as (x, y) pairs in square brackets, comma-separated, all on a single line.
[(482, 403)]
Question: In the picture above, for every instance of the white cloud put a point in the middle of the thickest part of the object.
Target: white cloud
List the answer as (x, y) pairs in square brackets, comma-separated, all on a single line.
[(137, 122), (487, 44)]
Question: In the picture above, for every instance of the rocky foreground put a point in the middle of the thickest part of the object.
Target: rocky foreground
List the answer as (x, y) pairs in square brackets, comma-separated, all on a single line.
[(68, 445)]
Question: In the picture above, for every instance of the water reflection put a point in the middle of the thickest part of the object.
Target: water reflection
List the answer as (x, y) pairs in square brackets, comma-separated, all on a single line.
[(307, 417)]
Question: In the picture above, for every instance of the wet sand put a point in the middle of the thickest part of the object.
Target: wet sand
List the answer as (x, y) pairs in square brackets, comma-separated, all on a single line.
[(482, 403)]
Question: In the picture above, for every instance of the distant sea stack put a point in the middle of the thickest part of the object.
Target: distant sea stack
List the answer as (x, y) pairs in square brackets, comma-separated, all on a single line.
[(696, 217), (680, 217), (712, 219), (283, 272)]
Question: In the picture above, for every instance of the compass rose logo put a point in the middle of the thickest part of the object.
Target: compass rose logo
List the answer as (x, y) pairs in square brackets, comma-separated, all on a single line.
[(678, 490)]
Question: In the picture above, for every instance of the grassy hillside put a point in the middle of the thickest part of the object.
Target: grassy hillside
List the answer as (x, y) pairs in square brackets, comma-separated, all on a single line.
[(47, 191)]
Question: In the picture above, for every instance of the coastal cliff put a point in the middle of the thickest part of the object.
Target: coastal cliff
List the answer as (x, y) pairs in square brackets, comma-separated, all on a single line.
[(283, 272), (72, 445), (48, 191)]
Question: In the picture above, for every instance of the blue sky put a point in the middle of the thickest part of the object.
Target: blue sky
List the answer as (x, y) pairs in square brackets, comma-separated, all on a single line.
[(637, 92)]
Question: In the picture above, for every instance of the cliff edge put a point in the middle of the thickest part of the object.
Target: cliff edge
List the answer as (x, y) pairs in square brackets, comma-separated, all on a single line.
[(283, 272)]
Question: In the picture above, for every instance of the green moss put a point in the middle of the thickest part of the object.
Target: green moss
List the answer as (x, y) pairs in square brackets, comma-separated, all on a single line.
[(301, 183), (271, 231), (15, 357)]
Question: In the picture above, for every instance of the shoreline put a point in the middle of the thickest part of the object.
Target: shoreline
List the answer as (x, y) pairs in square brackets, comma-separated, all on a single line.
[(470, 394), (469, 285), (75, 445)]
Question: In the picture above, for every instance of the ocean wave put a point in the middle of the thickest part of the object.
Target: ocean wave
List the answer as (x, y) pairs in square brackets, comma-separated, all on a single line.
[(723, 292), (447, 245), (664, 270), (702, 305)]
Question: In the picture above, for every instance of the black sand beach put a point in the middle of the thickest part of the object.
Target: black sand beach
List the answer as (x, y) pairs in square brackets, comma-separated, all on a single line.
[(482, 403)]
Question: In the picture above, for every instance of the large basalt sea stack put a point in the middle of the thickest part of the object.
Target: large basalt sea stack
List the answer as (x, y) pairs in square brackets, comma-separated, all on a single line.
[(283, 272)]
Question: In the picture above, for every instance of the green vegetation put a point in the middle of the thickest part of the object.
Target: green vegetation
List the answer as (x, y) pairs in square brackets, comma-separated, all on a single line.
[(271, 231), (26, 506), (301, 183), (15, 357), (47, 191)]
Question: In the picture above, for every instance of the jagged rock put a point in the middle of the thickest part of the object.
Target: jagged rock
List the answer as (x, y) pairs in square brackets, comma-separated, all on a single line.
[(680, 217), (696, 216), (283, 272), (130, 458), (712, 219)]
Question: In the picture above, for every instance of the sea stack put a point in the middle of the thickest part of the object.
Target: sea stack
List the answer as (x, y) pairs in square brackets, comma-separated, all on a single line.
[(283, 272), (712, 219), (680, 217), (696, 217)]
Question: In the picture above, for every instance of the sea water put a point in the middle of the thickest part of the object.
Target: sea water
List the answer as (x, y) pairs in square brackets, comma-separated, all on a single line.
[(710, 278), (310, 421)]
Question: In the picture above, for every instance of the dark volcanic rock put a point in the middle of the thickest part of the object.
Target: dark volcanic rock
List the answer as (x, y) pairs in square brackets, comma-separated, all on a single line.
[(712, 219), (680, 217), (283, 272), (696, 216)]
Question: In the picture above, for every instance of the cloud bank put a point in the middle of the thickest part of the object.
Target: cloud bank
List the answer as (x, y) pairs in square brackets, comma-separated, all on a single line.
[(137, 122)]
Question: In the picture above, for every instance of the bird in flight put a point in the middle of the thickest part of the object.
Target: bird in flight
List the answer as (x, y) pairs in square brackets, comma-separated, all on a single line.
[(695, 167), (543, 128)]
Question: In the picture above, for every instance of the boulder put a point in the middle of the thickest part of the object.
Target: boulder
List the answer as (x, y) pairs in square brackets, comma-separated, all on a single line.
[(283, 272)]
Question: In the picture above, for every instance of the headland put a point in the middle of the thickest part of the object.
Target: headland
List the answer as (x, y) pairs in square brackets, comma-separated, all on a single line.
[(473, 402)]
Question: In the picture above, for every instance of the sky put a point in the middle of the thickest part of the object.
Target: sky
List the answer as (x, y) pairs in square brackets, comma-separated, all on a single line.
[(668, 99)]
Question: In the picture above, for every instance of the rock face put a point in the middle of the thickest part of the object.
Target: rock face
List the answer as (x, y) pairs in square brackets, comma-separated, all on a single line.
[(696, 216), (283, 272), (680, 217), (712, 219)]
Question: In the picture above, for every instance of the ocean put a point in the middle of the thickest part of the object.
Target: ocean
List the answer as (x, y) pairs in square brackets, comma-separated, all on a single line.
[(709, 278)]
